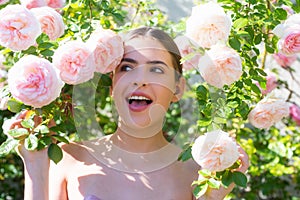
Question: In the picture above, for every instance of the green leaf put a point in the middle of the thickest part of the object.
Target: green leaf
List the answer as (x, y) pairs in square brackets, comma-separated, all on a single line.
[(220, 120), (213, 183), (45, 45), (239, 179), (240, 23), (227, 178), (7, 146), (200, 190), (61, 139), (14, 105), (27, 123), (55, 153), (47, 52), (204, 122), (202, 92), (42, 129), (19, 133), (255, 89), (31, 142), (281, 13), (257, 39), (235, 43), (43, 142), (186, 154)]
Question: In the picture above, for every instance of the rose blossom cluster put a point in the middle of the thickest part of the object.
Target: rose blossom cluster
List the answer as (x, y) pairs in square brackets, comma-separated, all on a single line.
[(20, 27), (209, 27), (37, 82), (267, 112), (215, 151), (77, 61)]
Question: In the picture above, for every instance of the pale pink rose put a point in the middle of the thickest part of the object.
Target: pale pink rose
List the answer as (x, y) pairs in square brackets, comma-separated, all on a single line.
[(33, 3), (267, 112), (208, 24), (295, 113), (34, 81), (51, 21), (289, 44), (215, 151), (107, 48), (56, 3), (2, 2), (220, 66), (75, 62), (7, 125), (19, 28), (188, 49), (271, 83), (284, 60), (3, 102)]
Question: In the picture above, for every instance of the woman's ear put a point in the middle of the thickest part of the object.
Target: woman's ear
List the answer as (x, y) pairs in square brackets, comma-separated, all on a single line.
[(179, 90)]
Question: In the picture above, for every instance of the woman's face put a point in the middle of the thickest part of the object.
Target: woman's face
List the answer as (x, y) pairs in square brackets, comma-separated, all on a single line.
[(144, 83)]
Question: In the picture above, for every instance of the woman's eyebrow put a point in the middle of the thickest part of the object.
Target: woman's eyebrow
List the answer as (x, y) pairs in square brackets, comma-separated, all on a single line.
[(157, 62), (129, 60)]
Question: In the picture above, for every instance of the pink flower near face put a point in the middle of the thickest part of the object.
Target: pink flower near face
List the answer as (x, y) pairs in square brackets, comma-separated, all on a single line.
[(187, 49), (74, 62), (107, 48), (33, 3), (215, 151), (2, 2), (19, 28), (56, 3), (284, 60), (51, 21), (220, 66), (268, 112), (34, 81), (295, 113), (208, 24)]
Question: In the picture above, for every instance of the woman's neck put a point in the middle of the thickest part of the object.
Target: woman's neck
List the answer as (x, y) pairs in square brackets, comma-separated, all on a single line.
[(137, 144)]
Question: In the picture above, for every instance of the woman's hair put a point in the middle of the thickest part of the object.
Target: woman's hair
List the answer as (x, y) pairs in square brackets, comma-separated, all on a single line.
[(162, 37)]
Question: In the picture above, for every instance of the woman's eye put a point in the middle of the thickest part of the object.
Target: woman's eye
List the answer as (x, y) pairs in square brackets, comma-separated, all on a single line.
[(157, 70), (125, 68)]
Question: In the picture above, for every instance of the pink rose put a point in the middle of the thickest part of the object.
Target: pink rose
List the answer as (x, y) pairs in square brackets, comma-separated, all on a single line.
[(295, 113), (19, 28), (290, 42), (267, 112), (188, 51), (56, 3), (284, 60), (215, 151), (220, 66), (33, 3), (75, 62), (34, 81), (107, 48), (208, 24), (271, 83), (51, 21), (2, 2)]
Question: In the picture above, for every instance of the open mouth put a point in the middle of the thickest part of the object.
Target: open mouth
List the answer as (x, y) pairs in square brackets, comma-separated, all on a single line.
[(138, 103), (141, 100)]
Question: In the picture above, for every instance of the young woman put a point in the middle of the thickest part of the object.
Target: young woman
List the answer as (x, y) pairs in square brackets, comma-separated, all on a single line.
[(136, 162)]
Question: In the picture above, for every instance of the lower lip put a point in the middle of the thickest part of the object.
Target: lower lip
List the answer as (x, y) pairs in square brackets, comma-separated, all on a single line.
[(138, 108)]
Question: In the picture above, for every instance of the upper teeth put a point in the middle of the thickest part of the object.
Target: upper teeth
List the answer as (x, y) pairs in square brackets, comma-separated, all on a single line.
[(138, 98)]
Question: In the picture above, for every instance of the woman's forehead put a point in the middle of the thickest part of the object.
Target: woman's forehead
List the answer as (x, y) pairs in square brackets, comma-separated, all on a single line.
[(146, 47)]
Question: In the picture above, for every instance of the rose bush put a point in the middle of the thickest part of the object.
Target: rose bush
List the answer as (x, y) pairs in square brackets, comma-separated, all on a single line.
[(19, 28), (34, 81)]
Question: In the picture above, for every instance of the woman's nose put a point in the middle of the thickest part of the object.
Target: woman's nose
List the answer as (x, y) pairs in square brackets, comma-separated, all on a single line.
[(140, 77)]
